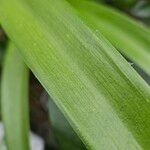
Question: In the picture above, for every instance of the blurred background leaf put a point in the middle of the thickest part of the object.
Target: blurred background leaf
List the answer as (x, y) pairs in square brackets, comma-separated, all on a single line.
[(14, 100), (142, 11)]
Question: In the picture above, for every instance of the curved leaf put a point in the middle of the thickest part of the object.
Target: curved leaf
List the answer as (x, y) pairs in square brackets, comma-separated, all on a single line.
[(104, 99)]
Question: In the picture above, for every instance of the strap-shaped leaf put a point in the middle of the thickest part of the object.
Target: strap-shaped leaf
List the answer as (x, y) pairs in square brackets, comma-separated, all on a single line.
[(129, 36), (15, 100), (104, 99)]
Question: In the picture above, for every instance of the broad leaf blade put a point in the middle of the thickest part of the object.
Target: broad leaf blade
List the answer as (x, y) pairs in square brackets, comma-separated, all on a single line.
[(101, 95), (15, 101), (130, 37)]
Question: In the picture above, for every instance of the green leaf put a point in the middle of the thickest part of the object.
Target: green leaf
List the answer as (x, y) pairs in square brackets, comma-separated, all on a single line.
[(64, 134), (15, 101), (130, 37), (103, 98), (2, 145)]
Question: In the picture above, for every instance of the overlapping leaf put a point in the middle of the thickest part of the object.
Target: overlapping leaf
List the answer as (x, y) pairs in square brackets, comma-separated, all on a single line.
[(103, 98), (130, 37)]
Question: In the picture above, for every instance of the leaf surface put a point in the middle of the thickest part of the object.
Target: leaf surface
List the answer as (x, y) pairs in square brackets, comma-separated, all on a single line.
[(103, 98)]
